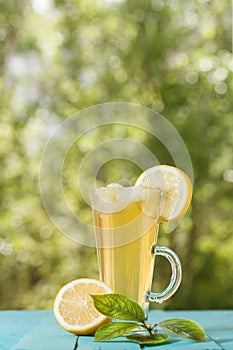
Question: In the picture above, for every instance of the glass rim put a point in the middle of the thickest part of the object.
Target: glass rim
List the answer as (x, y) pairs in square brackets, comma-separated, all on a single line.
[(125, 188)]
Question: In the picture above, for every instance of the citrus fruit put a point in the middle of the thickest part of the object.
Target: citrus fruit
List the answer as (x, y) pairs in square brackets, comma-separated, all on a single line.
[(176, 188), (74, 309)]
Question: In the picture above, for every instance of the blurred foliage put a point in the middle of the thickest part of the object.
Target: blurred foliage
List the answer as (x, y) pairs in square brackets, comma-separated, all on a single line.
[(58, 57)]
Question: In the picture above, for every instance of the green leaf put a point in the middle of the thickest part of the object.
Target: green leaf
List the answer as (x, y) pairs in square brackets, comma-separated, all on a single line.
[(113, 330), (184, 328), (119, 307), (148, 339)]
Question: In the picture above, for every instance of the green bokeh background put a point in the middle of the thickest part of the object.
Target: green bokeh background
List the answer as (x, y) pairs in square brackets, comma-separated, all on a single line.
[(58, 57)]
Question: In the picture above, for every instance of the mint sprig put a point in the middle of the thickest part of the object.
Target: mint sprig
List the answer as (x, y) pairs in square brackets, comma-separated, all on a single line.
[(122, 308)]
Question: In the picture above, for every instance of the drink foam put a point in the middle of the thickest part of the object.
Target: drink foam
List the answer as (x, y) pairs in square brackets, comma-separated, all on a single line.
[(115, 197)]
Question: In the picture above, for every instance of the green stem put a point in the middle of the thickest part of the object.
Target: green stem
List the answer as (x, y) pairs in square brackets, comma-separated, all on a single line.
[(155, 326), (148, 327)]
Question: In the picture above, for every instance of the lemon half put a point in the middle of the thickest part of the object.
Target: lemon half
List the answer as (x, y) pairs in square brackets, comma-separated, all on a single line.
[(74, 309)]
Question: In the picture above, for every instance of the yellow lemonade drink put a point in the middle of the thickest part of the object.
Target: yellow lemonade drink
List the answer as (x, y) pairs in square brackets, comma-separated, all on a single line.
[(126, 227)]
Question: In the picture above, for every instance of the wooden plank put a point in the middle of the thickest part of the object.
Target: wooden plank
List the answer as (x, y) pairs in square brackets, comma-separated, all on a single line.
[(38, 330), (15, 324), (47, 335), (33, 330), (223, 337)]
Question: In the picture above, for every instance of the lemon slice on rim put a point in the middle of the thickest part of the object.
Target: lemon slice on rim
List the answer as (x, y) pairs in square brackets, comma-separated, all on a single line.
[(176, 186), (74, 308)]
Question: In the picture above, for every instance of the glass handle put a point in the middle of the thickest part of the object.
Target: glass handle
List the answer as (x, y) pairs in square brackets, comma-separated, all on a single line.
[(176, 274)]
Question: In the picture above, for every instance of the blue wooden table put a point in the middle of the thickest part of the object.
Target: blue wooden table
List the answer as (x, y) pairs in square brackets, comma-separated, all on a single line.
[(38, 330)]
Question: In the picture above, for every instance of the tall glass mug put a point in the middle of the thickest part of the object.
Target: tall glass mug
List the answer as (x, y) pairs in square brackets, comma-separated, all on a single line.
[(126, 223)]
